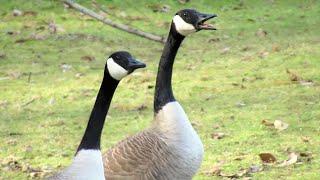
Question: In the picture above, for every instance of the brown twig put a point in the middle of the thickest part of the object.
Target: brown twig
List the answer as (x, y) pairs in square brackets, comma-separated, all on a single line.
[(109, 22)]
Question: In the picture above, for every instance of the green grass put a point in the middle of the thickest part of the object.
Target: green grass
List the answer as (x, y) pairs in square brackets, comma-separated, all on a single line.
[(214, 71)]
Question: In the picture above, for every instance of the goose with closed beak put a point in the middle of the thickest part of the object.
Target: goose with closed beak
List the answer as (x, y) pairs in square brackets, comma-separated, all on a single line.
[(170, 148), (87, 163)]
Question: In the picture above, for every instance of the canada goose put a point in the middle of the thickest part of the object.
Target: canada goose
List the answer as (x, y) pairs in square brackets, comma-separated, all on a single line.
[(87, 163), (170, 148)]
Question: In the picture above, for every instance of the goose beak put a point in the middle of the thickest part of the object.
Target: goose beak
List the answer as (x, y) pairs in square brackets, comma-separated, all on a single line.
[(135, 64), (201, 25)]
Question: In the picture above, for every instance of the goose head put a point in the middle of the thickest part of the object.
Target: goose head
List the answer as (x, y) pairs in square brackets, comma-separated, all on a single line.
[(188, 21), (121, 64)]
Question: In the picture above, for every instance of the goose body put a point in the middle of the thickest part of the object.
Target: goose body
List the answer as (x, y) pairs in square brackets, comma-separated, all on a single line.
[(170, 148), (87, 163)]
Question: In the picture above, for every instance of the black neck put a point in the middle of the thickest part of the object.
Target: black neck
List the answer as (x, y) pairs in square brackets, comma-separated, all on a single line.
[(163, 89), (92, 135)]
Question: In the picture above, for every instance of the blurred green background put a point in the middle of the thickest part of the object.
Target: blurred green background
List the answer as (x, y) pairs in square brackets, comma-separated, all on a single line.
[(261, 65)]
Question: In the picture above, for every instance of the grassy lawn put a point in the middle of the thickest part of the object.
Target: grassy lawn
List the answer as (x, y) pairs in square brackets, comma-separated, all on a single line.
[(228, 81)]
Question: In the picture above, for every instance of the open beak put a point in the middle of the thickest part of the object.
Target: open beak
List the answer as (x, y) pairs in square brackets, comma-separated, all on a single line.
[(135, 64), (201, 25)]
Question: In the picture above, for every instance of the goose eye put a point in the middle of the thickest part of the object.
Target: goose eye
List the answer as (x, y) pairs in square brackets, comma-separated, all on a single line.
[(184, 14)]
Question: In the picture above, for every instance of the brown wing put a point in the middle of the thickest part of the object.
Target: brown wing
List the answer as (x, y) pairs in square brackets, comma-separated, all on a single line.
[(135, 157)]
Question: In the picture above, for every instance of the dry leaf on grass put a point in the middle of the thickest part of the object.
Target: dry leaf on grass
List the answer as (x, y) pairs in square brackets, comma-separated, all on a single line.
[(239, 174), (267, 123), (215, 170), (255, 168), (305, 139), (305, 156), (280, 125), (2, 55), (65, 67), (183, 1), (30, 13), (225, 50), (293, 158), (261, 33), (294, 77), (217, 135), (22, 40), (267, 158), (88, 58)]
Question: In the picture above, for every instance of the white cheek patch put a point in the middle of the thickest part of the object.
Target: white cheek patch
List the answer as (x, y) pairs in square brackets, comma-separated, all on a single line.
[(115, 70), (183, 27)]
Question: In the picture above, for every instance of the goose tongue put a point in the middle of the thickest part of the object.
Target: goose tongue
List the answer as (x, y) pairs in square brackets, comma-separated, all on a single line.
[(207, 26), (202, 25)]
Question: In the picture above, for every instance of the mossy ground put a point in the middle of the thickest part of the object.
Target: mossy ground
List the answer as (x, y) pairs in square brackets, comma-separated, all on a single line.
[(228, 81)]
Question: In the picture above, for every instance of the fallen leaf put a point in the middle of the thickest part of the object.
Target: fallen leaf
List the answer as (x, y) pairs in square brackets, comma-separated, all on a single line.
[(240, 104), (183, 1), (12, 142), (267, 123), (141, 107), (11, 163), (87, 92), (306, 83), (216, 126), (22, 40), (263, 54), (217, 135), (65, 67), (246, 48), (214, 40), (255, 168), (276, 48), (239, 174), (79, 75), (261, 33), (52, 27), (251, 20), (30, 13), (293, 76), (160, 8), (52, 101), (305, 139), (239, 158), (29, 148), (305, 156), (13, 33), (30, 101), (15, 134), (4, 104), (267, 158), (225, 50), (215, 170), (88, 58), (38, 36), (58, 123), (293, 158), (280, 125), (2, 56), (247, 58)]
